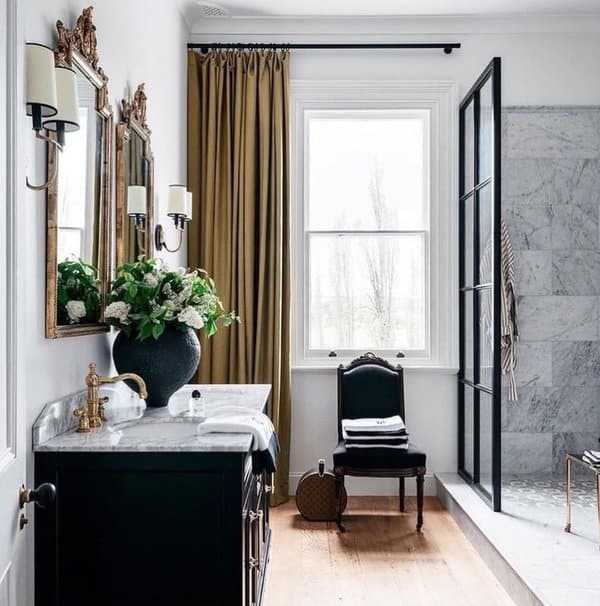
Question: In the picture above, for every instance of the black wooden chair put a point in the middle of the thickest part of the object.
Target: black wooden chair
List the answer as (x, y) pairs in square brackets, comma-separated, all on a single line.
[(371, 387)]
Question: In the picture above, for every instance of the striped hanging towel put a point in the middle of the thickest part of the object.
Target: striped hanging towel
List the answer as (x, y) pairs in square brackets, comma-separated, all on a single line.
[(509, 332)]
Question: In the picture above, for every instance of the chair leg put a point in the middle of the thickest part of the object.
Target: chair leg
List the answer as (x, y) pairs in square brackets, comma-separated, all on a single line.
[(420, 485), (339, 489), (401, 493)]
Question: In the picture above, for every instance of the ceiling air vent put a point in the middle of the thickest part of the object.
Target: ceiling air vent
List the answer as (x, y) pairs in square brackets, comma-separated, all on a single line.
[(208, 9)]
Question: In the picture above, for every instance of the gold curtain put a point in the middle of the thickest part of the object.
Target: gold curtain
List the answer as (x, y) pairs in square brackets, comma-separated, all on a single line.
[(238, 171)]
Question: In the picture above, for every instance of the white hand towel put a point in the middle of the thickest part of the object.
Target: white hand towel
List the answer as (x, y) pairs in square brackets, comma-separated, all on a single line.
[(394, 423), (240, 420), (395, 446)]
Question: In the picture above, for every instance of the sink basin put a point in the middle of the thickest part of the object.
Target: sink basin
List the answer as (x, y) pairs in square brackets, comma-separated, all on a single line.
[(160, 431)]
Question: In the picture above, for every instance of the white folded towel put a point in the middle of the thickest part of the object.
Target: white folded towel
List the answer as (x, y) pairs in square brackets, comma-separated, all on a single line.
[(236, 419), (396, 446), (394, 423), (374, 438)]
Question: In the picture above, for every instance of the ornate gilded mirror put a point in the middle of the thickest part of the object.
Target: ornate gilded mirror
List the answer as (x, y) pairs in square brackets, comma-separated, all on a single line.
[(135, 181), (79, 199)]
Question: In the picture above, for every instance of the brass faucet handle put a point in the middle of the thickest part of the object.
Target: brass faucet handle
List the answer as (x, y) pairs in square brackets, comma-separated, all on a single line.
[(84, 421), (101, 410)]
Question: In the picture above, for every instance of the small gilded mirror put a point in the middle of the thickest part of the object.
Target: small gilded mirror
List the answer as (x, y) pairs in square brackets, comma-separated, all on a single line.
[(135, 181), (79, 199)]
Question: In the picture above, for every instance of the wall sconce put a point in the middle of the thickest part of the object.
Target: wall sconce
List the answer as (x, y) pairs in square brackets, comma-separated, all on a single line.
[(67, 118), (137, 201), (51, 99), (180, 209)]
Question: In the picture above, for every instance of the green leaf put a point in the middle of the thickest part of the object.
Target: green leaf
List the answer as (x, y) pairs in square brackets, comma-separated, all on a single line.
[(157, 330)]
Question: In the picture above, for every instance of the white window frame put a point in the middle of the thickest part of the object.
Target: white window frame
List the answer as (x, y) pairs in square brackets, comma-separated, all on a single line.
[(438, 98)]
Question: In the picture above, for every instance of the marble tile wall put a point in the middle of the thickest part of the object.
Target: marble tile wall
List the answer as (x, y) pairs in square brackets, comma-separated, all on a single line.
[(551, 204)]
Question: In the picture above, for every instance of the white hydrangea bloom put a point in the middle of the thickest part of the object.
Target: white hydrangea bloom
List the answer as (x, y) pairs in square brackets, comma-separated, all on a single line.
[(190, 317), (75, 311), (151, 279), (118, 310)]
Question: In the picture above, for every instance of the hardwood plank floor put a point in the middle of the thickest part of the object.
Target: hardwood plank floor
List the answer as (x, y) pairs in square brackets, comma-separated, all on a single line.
[(380, 560)]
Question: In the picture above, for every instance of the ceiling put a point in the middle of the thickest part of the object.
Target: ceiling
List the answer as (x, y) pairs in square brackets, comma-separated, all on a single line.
[(357, 8)]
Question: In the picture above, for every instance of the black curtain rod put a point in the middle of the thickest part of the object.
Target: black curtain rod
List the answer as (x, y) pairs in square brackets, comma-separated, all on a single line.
[(446, 46)]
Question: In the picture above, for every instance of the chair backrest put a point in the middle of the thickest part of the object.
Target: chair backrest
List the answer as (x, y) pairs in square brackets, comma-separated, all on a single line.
[(369, 387)]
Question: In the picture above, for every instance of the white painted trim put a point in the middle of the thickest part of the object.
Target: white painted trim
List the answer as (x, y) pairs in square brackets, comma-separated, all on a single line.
[(7, 579), (440, 99), (381, 29), (7, 457), (15, 197), (357, 486), (413, 369), (9, 256)]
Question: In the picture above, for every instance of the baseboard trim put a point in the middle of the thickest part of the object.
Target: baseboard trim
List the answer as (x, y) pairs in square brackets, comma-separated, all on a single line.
[(374, 487)]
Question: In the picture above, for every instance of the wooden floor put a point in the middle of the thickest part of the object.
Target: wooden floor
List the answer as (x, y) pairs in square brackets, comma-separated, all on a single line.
[(380, 559)]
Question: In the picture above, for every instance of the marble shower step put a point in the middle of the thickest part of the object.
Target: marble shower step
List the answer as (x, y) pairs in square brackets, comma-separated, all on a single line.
[(526, 546)]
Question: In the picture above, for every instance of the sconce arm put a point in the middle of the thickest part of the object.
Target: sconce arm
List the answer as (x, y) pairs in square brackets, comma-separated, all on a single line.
[(51, 177), (159, 239)]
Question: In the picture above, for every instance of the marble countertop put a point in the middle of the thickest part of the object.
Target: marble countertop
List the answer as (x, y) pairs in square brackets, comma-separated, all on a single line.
[(132, 427)]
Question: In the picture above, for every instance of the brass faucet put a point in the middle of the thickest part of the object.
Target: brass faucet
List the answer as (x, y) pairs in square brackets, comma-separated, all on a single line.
[(92, 414)]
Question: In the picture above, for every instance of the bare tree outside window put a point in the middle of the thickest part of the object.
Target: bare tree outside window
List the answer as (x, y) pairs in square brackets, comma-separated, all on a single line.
[(367, 232), (381, 265)]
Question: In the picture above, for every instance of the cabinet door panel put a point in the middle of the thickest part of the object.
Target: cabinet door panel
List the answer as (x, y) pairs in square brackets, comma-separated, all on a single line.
[(134, 537)]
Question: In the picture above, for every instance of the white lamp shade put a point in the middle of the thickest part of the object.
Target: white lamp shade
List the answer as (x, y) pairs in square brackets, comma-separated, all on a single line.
[(177, 204), (68, 102), (188, 206), (41, 82), (136, 200)]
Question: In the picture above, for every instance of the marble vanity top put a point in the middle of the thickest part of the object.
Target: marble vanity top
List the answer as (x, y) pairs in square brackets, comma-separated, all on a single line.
[(133, 427)]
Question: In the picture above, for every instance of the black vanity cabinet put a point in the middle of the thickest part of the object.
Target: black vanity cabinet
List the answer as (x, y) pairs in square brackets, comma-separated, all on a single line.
[(151, 529)]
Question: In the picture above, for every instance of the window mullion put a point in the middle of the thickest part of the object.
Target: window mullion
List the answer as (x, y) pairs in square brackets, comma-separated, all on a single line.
[(362, 232)]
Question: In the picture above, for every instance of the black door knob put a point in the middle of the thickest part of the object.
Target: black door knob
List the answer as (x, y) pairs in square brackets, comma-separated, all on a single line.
[(43, 496)]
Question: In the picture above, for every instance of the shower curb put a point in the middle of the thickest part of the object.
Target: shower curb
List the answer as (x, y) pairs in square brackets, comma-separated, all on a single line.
[(516, 587)]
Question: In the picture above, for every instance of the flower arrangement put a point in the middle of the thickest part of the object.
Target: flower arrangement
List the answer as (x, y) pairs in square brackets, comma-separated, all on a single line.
[(78, 293), (147, 297)]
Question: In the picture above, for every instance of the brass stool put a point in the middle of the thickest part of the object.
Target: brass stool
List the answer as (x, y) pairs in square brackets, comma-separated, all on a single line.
[(577, 458)]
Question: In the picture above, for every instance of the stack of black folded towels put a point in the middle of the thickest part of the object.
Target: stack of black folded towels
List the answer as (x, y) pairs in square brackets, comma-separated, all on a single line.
[(388, 432), (592, 457)]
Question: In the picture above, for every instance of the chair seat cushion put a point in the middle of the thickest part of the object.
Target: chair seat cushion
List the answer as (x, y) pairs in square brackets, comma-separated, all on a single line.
[(378, 458)]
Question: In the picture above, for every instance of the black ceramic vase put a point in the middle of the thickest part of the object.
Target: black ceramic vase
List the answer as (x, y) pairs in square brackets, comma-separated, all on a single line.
[(165, 364)]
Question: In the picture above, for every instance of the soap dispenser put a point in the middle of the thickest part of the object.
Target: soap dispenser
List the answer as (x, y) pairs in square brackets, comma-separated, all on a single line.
[(196, 404)]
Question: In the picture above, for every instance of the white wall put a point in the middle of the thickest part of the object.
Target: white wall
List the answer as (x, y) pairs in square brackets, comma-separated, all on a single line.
[(545, 62), (138, 41)]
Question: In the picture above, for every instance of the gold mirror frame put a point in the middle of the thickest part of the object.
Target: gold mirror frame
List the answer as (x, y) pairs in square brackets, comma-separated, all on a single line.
[(133, 120), (77, 48)]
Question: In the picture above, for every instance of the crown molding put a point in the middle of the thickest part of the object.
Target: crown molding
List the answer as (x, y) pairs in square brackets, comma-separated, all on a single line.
[(335, 28)]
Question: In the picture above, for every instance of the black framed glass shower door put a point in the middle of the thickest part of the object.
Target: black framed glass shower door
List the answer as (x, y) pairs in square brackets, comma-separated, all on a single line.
[(479, 381)]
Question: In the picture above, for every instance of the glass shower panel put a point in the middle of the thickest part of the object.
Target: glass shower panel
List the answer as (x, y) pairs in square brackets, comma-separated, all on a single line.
[(486, 338), (485, 441), (486, 239), (469, 152), (469, 242), (486, 131), (469, 429)]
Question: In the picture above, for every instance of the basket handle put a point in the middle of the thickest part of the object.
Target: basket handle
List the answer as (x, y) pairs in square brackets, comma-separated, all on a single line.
[(321, 467)]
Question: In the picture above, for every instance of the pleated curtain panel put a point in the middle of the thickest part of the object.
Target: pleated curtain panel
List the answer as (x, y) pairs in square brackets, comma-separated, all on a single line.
[(239, 173)]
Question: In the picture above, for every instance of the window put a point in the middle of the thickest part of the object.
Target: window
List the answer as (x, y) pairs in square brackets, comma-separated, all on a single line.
[(367, 235), (367, 229)]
